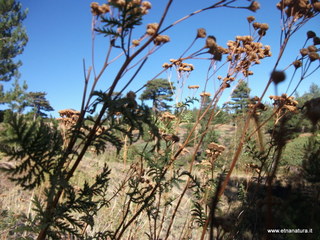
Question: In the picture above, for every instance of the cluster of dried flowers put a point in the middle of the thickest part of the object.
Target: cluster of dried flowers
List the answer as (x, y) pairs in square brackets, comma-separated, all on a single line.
[(311, 51), (285, 102), (69, 117), (254, 103), (214, 150), (245, 52), (181, 66), (167, 116), (299, 8), (252, 166), (152, 29), (135, 6), (205, 94)]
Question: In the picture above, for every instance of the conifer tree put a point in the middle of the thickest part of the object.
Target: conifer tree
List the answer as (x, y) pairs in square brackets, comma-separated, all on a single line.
[(13, 37), (158, 91), (39, 103), (240, 98)]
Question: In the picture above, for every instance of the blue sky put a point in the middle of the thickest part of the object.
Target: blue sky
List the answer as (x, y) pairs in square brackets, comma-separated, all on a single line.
[(60, 39)]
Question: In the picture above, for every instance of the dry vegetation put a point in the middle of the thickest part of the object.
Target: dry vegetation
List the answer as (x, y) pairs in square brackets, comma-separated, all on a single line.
[(132, 172)]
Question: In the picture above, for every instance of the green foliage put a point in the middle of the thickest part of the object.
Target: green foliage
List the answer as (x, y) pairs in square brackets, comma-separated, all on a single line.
[(13, 37), (39, 104), (240, 98), (311, 163), (35, 147), (159, 91), (17, 97)]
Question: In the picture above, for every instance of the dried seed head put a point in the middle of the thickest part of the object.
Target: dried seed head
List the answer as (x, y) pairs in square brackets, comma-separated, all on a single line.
[(256, 25), (201, 33), (211, 42), (313, 56), (264, 26), (297, 64), (95, 9), (251, 19), (254, 6), (262, 32), (311, 34), (152, 28), (166, 65), (312, 48), (316, 41), (161, 39), (105, 8), (146, 4), (278, 76), (316, 6), (205, 94), (193, 86), (304, 52), (135, 42)]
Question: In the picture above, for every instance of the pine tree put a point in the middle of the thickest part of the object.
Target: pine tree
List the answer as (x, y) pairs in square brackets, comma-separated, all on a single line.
[(159, 91), (39, 103), (13, 37), (240, 98), (17, 97)]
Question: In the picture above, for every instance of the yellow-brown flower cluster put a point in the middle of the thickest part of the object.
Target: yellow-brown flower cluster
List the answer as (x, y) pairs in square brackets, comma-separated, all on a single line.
[(135, 6), (193, 86), (205, 94), (214, 150), (97, 10), (285, 102), (311, 52), (214, 49), (253, 104), (299, 8), (167, 116), (160, 39), (181, 66), (246, 52), (261, 27), (69, 117), (152, 28)]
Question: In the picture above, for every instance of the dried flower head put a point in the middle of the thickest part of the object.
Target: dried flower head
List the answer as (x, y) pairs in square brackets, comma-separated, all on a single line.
[(211, 42), (95, 9), (167, 116), (161, 39), (316, 6), (316, 41), (251, 19), (205, 94), (166, 65), (313, 56), (146, 4), (152, 28), (311, 34), (297, 64), (201, 33), (304, 52), (278, 76), (136, 42), (193, 86), (312, 48), (254, 6)]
